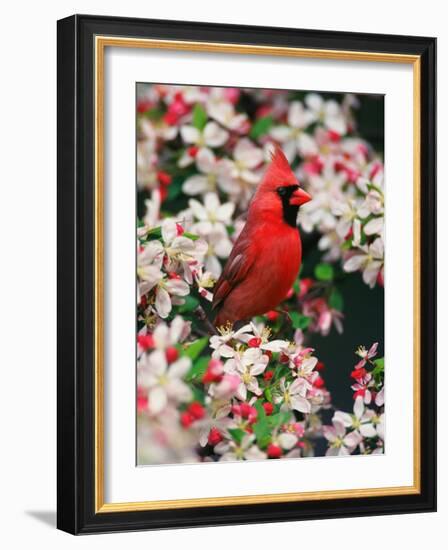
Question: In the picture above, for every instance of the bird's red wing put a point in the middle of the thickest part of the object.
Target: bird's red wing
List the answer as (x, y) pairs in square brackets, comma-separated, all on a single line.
[(235, 270)]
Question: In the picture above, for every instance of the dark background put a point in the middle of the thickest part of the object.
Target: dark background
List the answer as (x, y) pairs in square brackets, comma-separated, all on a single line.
[(363, 306)]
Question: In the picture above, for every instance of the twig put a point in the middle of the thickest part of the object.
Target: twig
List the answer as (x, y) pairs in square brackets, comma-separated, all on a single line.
[(201, 315)]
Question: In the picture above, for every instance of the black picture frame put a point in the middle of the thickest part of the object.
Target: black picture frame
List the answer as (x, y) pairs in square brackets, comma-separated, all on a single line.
[(76, 396)]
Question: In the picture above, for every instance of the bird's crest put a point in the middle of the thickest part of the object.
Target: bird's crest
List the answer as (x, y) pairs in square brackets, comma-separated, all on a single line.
[(279, 160), (279, 171)]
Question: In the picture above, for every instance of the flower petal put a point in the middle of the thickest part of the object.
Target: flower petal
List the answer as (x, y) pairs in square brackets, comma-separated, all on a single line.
[(300, 404), (367, 430), (157, 400), (195, 185), (287, 441), (190, 134), (358, 407), (163, 302)]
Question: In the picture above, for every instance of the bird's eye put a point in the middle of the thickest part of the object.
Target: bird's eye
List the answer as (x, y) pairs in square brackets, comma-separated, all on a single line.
[(282, 191)]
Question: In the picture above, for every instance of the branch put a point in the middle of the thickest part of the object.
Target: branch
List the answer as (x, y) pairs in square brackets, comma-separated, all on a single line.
[(201, 315)]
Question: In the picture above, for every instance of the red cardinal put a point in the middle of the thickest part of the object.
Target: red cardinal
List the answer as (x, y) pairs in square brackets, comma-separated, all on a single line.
[(266, 257)]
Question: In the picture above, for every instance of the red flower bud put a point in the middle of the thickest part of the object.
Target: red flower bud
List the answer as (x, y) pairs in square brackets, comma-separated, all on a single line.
[(380, 278), (170, 118), (272, 315), (196, 410), (142, 403), (143, 105), (319, 366), (214, 437), (186, 419), (268, 375), (213, 373), (333, 136), (268, 408), (358, 373), (171, 354), (254, 342), (163, 177), (359, 393), (274, 451), (146, 341), (246, 410), (193, 151), (305, 285), (163, 193)]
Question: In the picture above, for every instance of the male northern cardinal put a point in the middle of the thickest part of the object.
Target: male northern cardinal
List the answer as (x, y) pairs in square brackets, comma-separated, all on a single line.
[(266, 257)]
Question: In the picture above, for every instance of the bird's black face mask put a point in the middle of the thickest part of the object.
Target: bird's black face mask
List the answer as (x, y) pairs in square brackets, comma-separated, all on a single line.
[(290, 211)]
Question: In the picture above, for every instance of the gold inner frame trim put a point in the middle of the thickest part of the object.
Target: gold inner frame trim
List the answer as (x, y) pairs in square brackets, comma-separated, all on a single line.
[(101, 42)]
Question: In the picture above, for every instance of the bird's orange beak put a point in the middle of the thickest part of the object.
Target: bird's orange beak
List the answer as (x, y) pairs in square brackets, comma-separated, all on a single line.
[(299, 197)]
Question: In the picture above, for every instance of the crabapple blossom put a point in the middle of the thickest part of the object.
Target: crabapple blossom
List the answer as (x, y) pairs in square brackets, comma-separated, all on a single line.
[(360, 420), (164, 382), (246, 450), (292, 136), (293, 395), (327, 112), (365, 354), (211, 136), (223, 111), (341, 443), (247, 365), (239, 176), (369, 260), (209, 173)]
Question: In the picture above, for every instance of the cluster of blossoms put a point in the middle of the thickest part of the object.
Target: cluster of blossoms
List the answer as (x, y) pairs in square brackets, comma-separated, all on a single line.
[(254, 398), (362, 430), (256, 392)]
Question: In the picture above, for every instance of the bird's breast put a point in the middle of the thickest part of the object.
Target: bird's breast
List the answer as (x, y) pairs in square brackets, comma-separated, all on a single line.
[(277, 266)]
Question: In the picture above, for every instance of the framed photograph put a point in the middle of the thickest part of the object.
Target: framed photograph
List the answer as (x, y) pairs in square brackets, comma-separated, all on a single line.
[(246, 259)]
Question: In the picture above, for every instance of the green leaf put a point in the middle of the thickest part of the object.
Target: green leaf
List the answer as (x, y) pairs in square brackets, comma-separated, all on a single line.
[(280, 371), (155, 113), (260, 410), (261, 427), (378, 371), (154, 233), (268, 394), (198, 394), (191, 303), (299, 321), (346, 245), (279, 419), (324, 272), (194, 350), (190, 236), (261, 127), (199, 117), (198, 369), (174, 189), (237, 434), (336, 301)]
